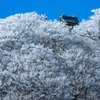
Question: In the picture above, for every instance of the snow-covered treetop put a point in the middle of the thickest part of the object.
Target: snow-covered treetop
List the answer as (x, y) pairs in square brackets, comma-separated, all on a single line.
[(42, 59)]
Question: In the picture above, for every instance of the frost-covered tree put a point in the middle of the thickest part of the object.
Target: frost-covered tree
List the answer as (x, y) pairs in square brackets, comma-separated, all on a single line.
[(42, 59)]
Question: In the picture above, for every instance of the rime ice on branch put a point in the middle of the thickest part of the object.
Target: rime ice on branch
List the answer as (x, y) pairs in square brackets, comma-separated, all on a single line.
[(42, 60)]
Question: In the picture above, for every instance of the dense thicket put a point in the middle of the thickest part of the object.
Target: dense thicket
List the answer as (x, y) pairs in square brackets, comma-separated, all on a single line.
[(43, 60)]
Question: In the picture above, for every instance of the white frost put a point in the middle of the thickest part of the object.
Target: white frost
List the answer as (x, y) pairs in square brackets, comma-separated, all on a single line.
[(43, 60)]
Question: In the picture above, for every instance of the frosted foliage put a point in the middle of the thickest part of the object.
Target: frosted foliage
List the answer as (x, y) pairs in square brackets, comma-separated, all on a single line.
[(42, 59)]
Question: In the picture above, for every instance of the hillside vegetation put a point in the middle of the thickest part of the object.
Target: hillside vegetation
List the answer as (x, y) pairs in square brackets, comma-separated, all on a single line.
[(43, 60)]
